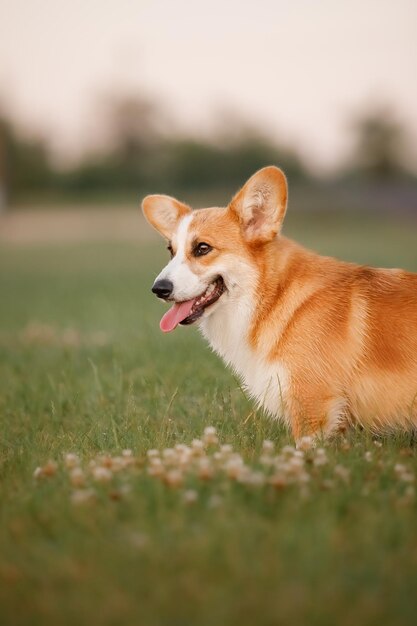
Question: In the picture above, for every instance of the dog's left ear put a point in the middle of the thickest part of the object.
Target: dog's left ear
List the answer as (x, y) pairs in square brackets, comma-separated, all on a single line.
[(164, 213), (261, 204)]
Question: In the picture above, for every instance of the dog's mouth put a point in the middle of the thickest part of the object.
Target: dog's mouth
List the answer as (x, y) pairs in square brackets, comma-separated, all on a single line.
[(188, 312)]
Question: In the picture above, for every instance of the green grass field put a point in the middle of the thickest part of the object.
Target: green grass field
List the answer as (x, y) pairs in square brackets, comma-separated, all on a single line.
[(336, 551)]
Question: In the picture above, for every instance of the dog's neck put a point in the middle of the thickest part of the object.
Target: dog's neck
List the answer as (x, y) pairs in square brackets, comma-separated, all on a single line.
[(227, 328), (231, 328)]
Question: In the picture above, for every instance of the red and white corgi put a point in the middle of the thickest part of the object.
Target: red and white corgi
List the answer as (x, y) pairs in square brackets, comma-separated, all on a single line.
[(316, 341)]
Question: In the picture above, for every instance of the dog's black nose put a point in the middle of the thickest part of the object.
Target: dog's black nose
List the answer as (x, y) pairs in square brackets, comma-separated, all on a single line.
[(163, 288)]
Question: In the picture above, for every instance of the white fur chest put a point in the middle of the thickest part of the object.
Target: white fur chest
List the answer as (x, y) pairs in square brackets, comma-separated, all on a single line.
[(226, 331)]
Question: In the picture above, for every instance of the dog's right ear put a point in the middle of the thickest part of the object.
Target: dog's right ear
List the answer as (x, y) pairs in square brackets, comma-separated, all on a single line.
[(164, 213)]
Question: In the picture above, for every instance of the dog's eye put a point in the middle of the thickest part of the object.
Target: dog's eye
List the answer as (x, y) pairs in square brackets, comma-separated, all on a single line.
[(201, 249), (170, 250)]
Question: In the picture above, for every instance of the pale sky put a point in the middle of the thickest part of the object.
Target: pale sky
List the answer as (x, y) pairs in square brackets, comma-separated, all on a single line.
[(299, 68)]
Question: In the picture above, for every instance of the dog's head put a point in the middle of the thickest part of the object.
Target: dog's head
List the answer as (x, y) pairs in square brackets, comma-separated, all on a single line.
[(213, 250)]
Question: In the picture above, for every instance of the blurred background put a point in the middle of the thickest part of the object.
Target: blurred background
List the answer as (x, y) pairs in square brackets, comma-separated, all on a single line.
[(102, 102)]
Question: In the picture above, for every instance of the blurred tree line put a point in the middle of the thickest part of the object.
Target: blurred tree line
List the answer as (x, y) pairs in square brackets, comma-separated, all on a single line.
[(142, 154), (25, 165), (139, 154)]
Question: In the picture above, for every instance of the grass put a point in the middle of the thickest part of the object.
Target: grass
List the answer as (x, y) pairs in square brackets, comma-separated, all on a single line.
[(343, 553)]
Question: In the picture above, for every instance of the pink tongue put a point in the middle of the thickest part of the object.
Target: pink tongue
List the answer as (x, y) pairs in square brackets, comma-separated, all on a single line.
[(175, 315)]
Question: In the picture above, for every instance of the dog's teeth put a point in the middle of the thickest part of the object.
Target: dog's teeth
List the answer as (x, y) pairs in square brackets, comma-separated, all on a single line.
[(212, 292)]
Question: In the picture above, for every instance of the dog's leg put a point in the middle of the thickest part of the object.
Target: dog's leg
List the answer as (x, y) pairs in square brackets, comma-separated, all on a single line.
[(315, 411)]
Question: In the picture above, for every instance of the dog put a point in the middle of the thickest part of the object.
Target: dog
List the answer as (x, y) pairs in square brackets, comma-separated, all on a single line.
[(317, 342)]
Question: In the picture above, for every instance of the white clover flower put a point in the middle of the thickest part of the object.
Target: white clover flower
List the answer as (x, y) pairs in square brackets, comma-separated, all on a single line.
[(156, 468), (288, 450), (298, 454), (127, 453), (404, 473), (118, 463), (197, 446), (226, 449), (255, 479), (305, 443), (210, 436), (342, 472), (152, 453), (169, 454), (102, 474), (320, 458), (46, 471), (38, 473), (278, 480), (303, 477), (82, 496), (50, 468), (205, 469), (211, 440), (243, 476), (407, 477), (377, 444), (184, 458), (105, 460), (281, 465), (234, 467), (185, 462), (267, 460), (77, 477), (155, 461), (190, 496), (268, 446), (295, 465), (71, 460), (174, 478), (368, 456)]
